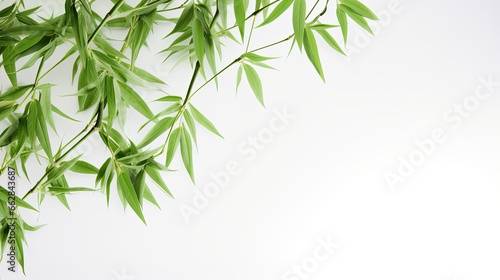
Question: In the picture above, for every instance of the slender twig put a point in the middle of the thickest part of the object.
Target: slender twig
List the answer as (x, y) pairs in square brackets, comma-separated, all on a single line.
[(105, 20)]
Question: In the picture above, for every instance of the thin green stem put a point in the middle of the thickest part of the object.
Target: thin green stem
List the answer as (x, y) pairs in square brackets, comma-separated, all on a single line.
[(105, 20), (273, 44), (251, 33), (95, 128), (255, 13), (310, 12)]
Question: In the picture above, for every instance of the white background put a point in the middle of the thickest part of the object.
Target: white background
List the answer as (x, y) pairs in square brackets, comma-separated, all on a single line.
[(320, 177)]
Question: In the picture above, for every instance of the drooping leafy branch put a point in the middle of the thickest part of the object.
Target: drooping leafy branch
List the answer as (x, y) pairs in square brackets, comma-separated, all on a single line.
[(107, 79)]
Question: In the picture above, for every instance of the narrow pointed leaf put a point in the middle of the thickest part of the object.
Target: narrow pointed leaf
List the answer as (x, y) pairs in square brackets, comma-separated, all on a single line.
[(299, 18), (255, 83), (312, 52), (187, 152), (201, 119)]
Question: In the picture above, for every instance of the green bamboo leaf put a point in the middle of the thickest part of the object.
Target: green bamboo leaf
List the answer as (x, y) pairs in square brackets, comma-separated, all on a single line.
[(10, 70), (15, 93), (41, 130), (169, 98), (23, 46), (139, 185), (59, 190), (84, 167), (299, 18), (312, 52), (126, 187), (185, 18), (198, 39), (201, 119), (173, 143), (187, 152), (154, 174), (342, 18), (322, 26), (62, 114), (31, 122), (19, 249), (46, 105), (8, 41), (356, 17), (276, 13), (46, 52), (148, 195), (112, 100), (4, 196), (256, 57), (134, 100), (191, 125), (239, 14), (238, 76), (109, 50), (210, 53), (255, 83), (330, 41), (360, 9), (136, 158), (6, 109), (57, 172), (78, 29), (7, 10), (222, 8), (158, 129), (61, 183), (145, 75), (139, 34)]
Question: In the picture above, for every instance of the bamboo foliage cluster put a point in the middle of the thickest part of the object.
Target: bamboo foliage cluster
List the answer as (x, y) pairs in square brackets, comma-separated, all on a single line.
[(106, 81)]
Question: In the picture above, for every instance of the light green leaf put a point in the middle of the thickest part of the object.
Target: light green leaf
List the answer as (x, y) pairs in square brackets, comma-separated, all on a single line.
[(185, 18), (198, 40), (356, 17), (57, 172), (187, 152), (299, 18), (239, 14), (41, 130), (312, 52), (276, 13), (158, 129), (359, 8), (330, 41), (201, 119), (134, 100), (46, 105), (62, 114), (15, 93), (238, 76), (84, 168), (154, 174), (191, 125), (127, 188), (173, 143), (255, 83), (4, 196), (222, 8), (59, 190), (342, 18), (112, 100)]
